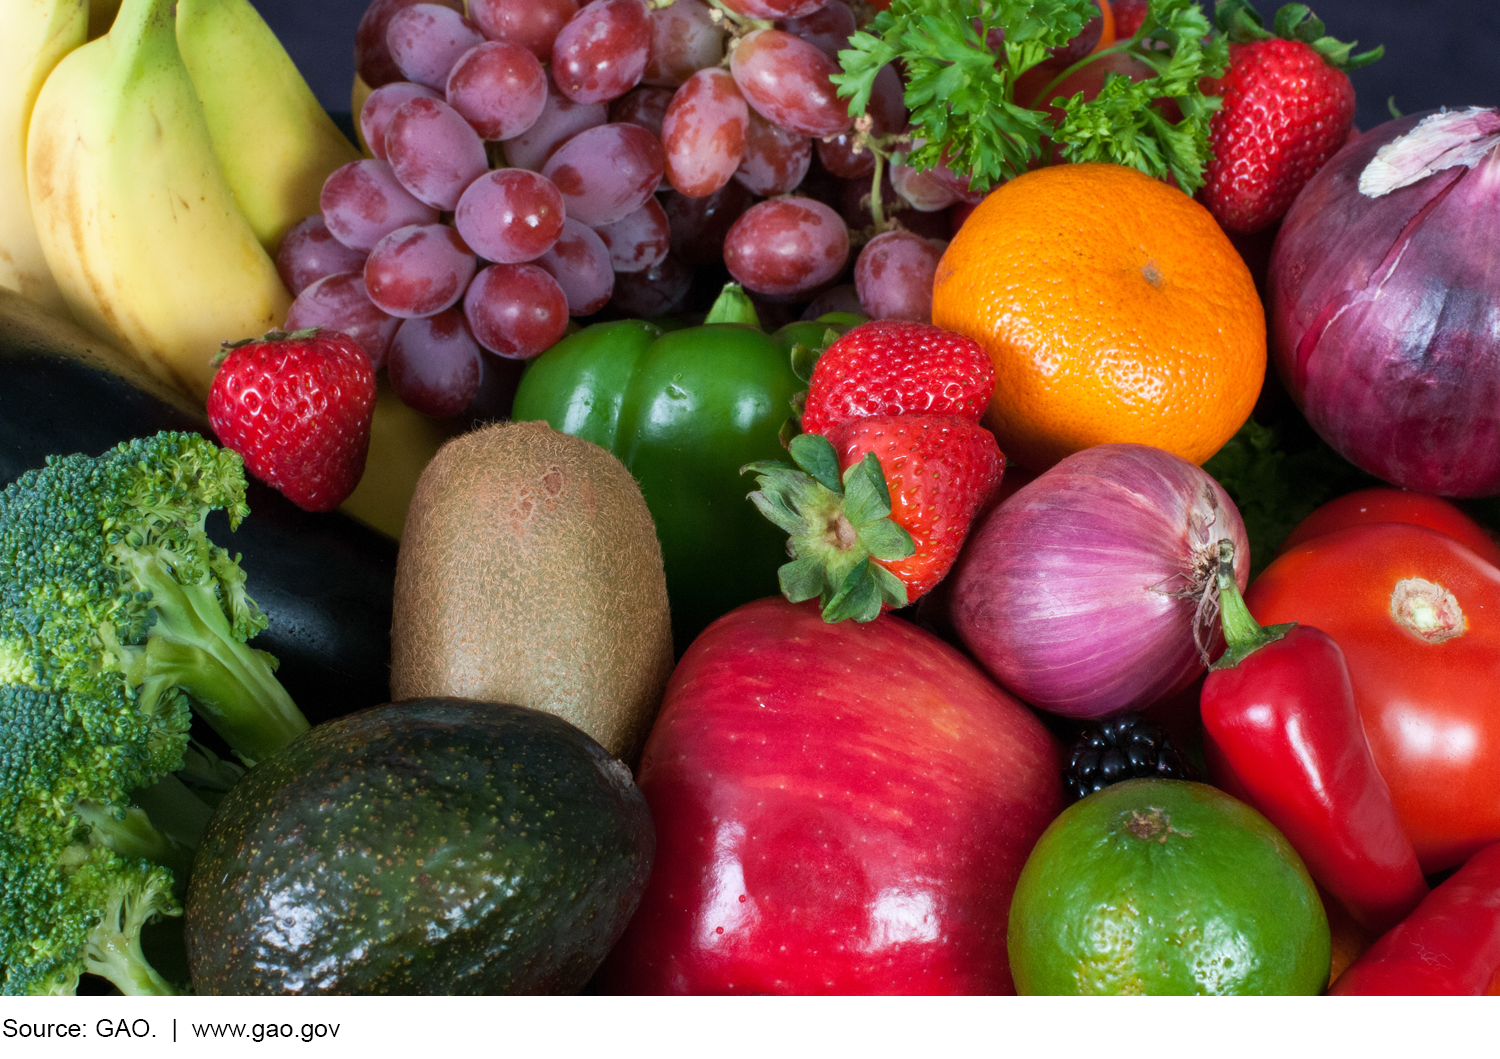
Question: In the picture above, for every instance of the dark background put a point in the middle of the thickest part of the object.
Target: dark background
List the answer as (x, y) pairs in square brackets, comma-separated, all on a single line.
[(1438, 52)]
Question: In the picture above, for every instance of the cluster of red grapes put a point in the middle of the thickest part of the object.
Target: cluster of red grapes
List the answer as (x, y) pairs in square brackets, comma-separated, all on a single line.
[(536, 160)]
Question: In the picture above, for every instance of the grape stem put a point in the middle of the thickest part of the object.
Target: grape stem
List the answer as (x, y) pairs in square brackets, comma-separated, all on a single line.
[(877, 209), (739, 24)]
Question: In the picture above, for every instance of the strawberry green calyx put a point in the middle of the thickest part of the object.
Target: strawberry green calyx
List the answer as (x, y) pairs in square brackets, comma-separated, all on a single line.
[(1242, 24), (840, 529)]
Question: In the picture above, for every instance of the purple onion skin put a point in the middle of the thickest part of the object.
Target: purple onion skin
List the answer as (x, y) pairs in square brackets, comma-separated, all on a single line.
[(1077, 592), (1385, 317)]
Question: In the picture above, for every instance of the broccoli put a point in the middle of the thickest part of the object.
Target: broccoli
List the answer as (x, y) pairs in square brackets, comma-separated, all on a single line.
[(118, 619)]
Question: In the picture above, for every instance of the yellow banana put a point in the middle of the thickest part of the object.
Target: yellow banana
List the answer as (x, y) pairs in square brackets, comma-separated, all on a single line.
[(275, 141), (134, 215), (357, 96), (39, 33)]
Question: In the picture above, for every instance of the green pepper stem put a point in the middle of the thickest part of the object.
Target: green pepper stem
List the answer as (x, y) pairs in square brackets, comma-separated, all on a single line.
[(733, 306), (1243, 635)]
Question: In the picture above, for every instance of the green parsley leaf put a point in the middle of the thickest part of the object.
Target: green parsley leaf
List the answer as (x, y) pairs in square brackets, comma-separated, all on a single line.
[(960, 92)]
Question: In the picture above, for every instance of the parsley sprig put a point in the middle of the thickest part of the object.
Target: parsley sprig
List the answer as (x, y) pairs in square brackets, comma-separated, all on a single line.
[(960, 90)]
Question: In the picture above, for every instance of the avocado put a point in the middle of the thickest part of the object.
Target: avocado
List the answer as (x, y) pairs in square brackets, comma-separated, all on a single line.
[(434, 846)]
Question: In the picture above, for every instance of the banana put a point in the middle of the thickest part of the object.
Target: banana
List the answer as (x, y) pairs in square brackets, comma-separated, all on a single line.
[(135, 217), (39, 33), (275, 141), (357, 96)]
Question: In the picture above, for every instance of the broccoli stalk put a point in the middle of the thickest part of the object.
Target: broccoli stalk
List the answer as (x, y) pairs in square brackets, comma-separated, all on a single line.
[(118, 617), (192, 647)]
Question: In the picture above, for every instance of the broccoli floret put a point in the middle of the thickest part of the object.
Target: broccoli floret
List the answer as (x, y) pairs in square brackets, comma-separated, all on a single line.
[(118, 619)]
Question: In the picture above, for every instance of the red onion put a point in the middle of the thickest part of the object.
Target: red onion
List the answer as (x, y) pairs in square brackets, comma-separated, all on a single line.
[(1090, 590), (1382, 298)]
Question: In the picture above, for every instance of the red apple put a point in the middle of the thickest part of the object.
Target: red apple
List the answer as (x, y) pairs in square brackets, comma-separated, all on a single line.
[(839, 809)]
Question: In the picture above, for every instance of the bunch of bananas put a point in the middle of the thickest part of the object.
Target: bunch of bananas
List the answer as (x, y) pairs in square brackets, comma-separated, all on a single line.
[(149, 169)]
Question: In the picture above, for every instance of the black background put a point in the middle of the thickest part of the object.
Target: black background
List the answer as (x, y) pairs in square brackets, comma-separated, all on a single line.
[(1438, 52)]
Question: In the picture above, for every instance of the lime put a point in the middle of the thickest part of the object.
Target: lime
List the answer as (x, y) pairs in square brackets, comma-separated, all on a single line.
[(1166, 887)]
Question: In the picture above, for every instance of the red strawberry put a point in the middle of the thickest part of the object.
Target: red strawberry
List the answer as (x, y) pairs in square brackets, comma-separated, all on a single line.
[(1288, 107), (879, 510), (892, 367), (297, 408)]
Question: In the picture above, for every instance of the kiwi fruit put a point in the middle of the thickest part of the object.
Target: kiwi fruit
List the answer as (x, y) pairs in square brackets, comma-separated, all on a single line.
[(530, 573)]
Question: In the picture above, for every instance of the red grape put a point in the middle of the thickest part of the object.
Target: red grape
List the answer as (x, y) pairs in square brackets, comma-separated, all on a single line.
[(381, 105), (372, 58), (606, 172), (533, 24), (699, 225), (958, 183), (1065, 55), (363, 202), (887, 111), (842, 298), (601, 53), (787, 81), (776, 159), (516, 310), (434, 364), (852, 200), (774, 8), (703, 133), (684, 40), (893, 276), (341, 303), (510, 215), (499, 378), (786, 246), (418, 270), (828, 28), (433, 151), (426, 40), (654, 291), (643, 105), (560, 120), (308, 252), (499, 88), (638, 240), (924, 190), (580, 263)]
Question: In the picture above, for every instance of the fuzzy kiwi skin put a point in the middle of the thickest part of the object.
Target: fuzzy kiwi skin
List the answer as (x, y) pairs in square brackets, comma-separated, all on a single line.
[(530, 572)]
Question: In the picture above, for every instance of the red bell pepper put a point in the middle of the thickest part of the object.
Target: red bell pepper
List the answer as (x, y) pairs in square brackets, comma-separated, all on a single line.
[(1449, 946), (1282, 732)]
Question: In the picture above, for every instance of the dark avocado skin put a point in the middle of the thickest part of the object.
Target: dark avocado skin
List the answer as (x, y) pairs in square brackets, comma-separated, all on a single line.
[(434, 846), (324, 581)]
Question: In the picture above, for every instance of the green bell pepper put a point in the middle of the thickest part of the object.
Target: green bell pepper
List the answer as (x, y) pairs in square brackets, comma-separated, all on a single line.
[(684, 410)]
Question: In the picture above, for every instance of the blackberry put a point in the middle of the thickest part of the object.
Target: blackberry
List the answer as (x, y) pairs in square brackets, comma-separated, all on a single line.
[(1123, 747)]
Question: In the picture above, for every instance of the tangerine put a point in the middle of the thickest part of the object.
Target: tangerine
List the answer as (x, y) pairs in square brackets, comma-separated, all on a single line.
[(1114, 309), (1166, 887)]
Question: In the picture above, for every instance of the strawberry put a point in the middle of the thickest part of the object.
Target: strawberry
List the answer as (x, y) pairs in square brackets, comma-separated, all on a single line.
[(1287, 108), (878, 510), (297, 408), (893, 367)]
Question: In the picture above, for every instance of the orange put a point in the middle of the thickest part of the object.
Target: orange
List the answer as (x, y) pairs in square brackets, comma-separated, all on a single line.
[(1114, 308)]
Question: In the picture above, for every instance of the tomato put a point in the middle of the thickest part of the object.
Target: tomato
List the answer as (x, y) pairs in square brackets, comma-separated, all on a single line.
[(1418, 617), (1395, 505)]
